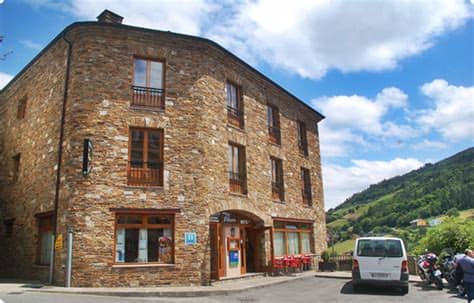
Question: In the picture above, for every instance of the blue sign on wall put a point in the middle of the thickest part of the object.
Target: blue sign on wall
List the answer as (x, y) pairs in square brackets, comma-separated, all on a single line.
[(190, 238), (233, 258)]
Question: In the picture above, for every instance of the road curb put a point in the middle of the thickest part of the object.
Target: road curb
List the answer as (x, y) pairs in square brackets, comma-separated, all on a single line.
[(167, 293)]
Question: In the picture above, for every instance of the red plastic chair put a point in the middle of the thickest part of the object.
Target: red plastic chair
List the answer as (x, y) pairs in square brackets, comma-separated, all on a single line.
[(294, 263), (278, 265), (306, 260)]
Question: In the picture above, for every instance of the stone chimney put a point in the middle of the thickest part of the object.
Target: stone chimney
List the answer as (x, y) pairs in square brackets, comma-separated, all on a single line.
[(109, 17)]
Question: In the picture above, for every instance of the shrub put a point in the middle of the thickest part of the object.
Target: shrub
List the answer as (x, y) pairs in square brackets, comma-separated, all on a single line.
[(452, 234)]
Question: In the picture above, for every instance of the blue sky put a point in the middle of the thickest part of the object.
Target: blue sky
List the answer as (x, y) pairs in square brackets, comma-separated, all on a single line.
[(395, 79)]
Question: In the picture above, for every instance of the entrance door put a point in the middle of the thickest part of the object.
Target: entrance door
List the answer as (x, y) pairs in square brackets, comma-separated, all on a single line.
[(217, 251), (250, 249)]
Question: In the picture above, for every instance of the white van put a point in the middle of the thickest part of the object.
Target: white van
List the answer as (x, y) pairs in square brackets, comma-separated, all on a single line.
[(380, 261)]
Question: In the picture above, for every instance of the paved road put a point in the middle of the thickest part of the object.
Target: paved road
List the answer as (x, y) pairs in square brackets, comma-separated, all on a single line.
[(307, 290)]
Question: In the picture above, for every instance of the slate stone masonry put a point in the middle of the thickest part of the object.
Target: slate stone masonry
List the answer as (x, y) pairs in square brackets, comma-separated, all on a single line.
[(196, 137)]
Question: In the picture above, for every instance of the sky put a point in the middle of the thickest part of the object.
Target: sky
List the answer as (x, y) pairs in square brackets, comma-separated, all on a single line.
[(394, 78)]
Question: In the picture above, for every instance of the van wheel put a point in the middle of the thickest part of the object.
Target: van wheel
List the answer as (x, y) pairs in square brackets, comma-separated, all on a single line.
[(405, 290), (356, 287)]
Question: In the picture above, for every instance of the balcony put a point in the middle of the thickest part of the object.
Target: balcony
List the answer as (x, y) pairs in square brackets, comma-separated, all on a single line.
[(237, 183), (274, 133), (277, 191), (148, 97), (307, 198), (235, 116), (145, 173)]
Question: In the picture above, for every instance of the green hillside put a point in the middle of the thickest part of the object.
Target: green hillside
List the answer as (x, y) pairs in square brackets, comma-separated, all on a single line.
[(390, 205)]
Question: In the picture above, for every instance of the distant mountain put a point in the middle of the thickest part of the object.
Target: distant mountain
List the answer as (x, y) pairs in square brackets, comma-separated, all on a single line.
[(423, 193)]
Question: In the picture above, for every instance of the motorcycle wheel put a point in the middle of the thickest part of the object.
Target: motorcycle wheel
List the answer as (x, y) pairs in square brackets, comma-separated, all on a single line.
[(438, 283), (461, 291)]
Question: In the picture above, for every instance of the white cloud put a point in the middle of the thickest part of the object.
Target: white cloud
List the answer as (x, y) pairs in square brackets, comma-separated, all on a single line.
[(32, 45), (4, 79), (452, 114), (179, 16), (341, 182), (429, 144), (359, 120), (312, 37), (307, 37)]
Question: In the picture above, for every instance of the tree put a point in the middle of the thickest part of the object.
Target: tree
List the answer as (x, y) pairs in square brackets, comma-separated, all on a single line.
[(453, 234), (452, 212)]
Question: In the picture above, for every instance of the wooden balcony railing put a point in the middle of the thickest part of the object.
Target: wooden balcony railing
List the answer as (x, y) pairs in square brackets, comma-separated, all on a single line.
[(148, 97), (277, 191), (274, 133), (145, 173), (307, 198), (237, 183), (235, 116)]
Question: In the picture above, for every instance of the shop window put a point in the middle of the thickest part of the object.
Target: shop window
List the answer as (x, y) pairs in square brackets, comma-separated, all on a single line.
[(273, 123), (145, 166), (237, 173), (45, 237), (306, 187), (302, 139), (277, 179), (148, 83), (235, 113), (292, 238), (144, 238)]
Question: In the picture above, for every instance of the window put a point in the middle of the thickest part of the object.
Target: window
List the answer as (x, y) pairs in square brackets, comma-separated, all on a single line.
[(302, 141), (16, 167), (277, 179), (235, 113), (292, 238), (145, 166), (144, 238), (273, 123), (9, 227), (21, 108), (45, 238), (306, 186), (148, 83), (237, 173)]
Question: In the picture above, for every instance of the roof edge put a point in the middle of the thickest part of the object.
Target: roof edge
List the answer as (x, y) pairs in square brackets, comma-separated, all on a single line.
[(206, 40)]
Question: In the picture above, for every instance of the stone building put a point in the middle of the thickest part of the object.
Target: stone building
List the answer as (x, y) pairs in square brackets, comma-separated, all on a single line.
[(170, 160)]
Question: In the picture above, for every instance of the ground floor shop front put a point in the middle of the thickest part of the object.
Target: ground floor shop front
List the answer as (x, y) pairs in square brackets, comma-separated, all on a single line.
[(153, 247)]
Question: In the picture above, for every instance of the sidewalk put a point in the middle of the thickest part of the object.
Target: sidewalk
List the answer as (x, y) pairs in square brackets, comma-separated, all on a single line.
[(348, 275), (219, 288)]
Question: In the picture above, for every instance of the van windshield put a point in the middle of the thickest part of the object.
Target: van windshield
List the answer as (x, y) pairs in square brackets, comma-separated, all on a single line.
[(379, 248)]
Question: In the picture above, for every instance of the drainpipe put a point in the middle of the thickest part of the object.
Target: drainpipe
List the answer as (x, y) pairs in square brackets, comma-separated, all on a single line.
[(60, 151)]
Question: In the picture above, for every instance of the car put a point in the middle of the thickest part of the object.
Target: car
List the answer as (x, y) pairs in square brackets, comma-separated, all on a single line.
[(380, 261)]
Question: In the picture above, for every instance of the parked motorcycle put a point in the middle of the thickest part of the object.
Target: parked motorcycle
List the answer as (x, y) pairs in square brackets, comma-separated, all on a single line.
[(429, 271), (449, 270)]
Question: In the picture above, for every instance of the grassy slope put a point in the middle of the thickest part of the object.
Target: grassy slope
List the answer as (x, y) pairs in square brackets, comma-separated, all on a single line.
[(348, 245)]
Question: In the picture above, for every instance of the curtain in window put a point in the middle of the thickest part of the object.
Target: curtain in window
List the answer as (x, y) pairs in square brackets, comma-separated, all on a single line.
[(293, 245), (279, 244), (120, 245), (143, 245), (232, 100), (305, 243)]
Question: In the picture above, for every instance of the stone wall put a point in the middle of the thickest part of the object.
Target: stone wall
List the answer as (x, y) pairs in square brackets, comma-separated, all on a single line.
[(195, 151), (36, 137)]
